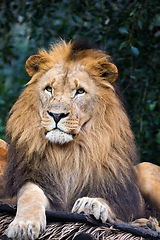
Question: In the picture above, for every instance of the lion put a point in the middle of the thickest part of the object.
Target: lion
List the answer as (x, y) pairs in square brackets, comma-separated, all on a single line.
[(71, 147)]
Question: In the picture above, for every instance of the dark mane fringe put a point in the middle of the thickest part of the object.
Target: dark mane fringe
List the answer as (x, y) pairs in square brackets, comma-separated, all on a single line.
[(80, 45)]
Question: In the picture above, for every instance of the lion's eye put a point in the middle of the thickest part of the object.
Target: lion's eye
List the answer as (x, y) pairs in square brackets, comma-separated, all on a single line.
[(80, 91), (48, 89)]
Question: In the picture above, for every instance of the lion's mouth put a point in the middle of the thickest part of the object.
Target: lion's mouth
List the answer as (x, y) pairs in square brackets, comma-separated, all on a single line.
[(62, 130), (59, 136)]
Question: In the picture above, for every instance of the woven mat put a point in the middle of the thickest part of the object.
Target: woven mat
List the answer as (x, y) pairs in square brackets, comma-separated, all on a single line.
[(70, 229)]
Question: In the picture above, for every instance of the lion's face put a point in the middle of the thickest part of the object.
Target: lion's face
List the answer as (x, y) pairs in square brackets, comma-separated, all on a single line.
[(66, 102)]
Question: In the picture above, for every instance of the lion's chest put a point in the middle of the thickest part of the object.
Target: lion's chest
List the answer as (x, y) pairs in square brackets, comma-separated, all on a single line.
[(71, 176), (68, 183)]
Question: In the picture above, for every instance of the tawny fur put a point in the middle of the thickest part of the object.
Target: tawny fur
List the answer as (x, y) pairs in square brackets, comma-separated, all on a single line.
[(148, 180), (98, 162), (3, 156)]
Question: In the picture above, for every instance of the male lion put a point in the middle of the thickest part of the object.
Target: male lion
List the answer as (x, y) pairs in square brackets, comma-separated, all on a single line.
[(71, 147)]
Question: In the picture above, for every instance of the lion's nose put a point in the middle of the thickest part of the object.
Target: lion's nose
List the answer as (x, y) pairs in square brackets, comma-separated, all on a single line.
[(58, 116)]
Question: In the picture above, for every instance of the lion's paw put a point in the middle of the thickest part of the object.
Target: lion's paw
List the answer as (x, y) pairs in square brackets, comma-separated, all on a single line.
[(94, 206), (24, 230), (151, 223)]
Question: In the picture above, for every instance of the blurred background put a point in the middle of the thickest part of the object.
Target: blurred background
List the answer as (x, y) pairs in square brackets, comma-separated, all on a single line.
[(128, 30)]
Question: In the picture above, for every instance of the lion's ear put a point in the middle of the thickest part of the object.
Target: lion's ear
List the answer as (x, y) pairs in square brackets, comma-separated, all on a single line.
[(109, 71), (33, 64)]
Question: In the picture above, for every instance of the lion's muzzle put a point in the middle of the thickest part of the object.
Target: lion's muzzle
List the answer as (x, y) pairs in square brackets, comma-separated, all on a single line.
[(60, 124)]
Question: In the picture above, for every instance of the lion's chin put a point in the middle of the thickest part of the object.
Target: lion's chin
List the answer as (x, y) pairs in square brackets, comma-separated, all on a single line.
[(59, 137)]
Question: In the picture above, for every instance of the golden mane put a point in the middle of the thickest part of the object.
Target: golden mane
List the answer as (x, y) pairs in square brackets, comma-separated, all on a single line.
[(105, 145)]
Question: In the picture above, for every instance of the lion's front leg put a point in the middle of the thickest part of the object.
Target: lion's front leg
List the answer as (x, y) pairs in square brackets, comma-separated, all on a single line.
[(30, 218), (97, 207)]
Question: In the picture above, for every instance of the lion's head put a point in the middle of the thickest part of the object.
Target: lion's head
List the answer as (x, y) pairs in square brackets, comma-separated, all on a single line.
[(65, 93), (68, 87), (69, 123)]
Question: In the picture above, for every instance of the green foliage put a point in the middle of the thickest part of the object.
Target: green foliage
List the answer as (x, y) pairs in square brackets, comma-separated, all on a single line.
[(127, 30)]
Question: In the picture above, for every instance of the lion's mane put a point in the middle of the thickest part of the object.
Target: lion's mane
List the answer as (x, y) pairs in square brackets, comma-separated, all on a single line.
[(102, 155)]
